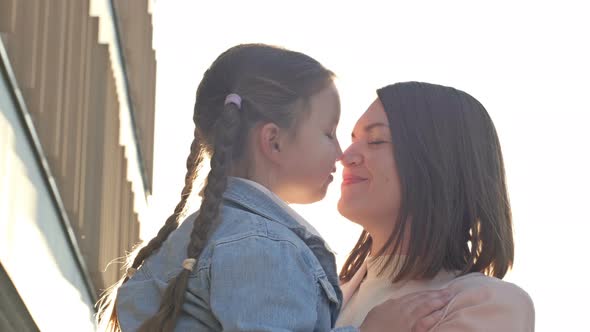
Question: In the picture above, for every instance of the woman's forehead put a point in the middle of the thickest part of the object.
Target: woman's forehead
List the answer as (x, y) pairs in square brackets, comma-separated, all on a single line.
[(374, 117)]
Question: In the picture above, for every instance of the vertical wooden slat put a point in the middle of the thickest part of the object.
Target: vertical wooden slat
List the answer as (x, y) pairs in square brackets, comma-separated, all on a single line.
[(70, 94), (67, 114), (108, 248), (23, 45), (40, 57), (95, 160), (75, 90), (119, 180), (151, 120), (57, 76), (122, 217), (128, 221), (7, 16), (49, 101), (83, 124)]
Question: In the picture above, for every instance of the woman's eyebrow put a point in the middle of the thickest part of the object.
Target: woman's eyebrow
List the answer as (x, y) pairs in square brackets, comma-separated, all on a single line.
[(371, 127)]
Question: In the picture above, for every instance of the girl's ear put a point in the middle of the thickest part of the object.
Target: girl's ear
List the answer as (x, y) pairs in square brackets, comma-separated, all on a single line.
[(269, 141)]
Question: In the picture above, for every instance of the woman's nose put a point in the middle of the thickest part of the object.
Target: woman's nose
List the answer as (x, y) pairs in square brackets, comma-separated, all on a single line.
[(350, 157)]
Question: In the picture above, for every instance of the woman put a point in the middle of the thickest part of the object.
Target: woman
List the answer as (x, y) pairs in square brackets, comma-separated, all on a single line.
[(424, 176)]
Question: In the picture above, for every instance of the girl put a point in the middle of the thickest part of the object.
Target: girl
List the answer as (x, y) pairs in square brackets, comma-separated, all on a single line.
[(246, 261), (424, 176)]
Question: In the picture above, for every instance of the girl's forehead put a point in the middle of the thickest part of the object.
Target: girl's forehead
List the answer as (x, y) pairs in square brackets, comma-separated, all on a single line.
[(325, 105)]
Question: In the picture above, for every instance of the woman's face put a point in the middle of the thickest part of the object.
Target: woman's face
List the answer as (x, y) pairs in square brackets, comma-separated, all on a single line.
[(371, 191)]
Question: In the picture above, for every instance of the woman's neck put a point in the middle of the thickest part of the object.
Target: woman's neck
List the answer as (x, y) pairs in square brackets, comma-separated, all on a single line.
[(380, 237)]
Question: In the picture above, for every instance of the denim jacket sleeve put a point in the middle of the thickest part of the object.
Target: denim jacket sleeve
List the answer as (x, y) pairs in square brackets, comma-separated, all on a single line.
[(263, 284)]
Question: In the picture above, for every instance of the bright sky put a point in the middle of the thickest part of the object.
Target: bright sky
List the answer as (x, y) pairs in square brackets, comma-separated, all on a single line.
[(527, 62)]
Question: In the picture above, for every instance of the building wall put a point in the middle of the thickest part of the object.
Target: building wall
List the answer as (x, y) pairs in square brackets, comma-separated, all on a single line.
[(34, 247), (76, 146)]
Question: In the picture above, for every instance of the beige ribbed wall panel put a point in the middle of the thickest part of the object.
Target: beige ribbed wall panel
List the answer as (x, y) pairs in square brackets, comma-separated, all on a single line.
[(140, 61), (68, 85)]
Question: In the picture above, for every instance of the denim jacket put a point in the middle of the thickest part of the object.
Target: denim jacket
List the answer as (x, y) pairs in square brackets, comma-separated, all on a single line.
[(260, 271)]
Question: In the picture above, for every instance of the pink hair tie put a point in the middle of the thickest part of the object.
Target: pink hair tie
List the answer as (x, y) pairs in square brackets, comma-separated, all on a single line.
[(235, 99)]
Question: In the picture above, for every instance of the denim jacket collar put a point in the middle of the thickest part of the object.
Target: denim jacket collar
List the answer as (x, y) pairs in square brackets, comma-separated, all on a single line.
[(253, 199)]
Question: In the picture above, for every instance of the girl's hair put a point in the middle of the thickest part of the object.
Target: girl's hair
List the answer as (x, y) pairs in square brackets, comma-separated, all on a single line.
[(272, 82), (454, 202)]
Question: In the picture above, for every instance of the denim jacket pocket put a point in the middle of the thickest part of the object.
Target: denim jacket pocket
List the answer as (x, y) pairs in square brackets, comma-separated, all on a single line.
[(330, 299), (328, 289), (136, 301)]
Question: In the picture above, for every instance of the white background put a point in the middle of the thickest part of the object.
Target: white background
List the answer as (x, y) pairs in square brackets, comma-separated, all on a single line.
[(527, 62)]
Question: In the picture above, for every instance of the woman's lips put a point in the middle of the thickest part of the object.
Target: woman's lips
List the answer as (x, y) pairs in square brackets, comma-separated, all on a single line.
[(352, 179)]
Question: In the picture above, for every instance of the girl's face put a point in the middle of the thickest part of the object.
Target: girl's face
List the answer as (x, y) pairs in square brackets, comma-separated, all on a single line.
[(371, 190), (308, 158)]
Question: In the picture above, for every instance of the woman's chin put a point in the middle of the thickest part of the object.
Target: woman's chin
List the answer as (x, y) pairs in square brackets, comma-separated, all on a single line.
[(348, 207)]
